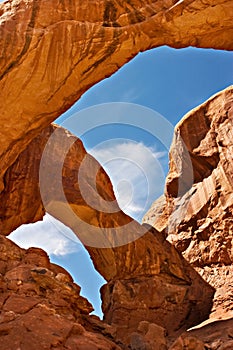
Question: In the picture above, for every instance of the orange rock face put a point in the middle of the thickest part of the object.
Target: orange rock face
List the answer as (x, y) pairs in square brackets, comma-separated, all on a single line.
[(52, 52), (147, 279), (215, 335), (196, 211), (41, 307)]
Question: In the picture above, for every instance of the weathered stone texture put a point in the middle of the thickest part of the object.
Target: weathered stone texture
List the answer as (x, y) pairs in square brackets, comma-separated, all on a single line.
[(196, 211), (147, 279), (52, 52), (40, 305)]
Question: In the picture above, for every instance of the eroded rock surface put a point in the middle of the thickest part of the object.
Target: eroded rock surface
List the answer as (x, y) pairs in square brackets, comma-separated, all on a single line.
[(148, 280), (41, 307), (162, 285), (216, 335), (53, 51), (196, 211)]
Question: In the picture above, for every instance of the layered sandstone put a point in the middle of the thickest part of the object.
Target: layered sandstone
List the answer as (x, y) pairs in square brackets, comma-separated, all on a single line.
[(147, 279), (41, 307), (53, 51), (196, 211)]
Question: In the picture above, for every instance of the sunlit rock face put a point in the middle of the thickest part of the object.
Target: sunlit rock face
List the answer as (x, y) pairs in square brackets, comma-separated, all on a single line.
[(196, 215), (215, 335), (52, 52), (41, 307)]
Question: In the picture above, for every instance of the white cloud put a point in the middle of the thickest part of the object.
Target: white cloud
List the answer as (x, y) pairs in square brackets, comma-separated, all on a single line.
[(137, 177), (49, 234), (136, 173)]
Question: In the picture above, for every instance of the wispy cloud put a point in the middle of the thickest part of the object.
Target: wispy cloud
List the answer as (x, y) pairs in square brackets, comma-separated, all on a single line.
[(136, 173), (49, 234), (137, 176)]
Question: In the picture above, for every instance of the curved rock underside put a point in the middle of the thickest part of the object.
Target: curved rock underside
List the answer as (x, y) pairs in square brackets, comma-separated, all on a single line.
[(149, 263), (196, 212), (51, 53), (148, 282)]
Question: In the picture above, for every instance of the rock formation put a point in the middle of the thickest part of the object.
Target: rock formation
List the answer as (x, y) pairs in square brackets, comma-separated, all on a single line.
[(147, 279), (214, 335), (53, 51), (196, 211), (41, 307)]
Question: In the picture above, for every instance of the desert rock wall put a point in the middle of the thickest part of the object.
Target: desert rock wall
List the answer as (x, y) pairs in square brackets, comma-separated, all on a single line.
[(52, 52)]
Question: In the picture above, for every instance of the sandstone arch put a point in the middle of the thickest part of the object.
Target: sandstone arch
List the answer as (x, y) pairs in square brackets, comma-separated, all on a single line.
[(52, 52)]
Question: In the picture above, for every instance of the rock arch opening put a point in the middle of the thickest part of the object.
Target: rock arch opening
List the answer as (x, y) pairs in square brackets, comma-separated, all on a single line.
[(64, 249), (170, 68), (43, 59)]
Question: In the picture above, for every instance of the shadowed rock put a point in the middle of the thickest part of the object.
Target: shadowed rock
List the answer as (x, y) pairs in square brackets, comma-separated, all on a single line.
[(52, 52), (147, 279), (41, 307), (199, 221)]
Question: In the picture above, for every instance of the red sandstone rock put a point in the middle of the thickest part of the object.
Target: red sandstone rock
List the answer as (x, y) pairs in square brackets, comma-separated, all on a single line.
[(53, 51), (149, 336), (216, 335), (39, 310), (198, 220), (147, 279), (197, 216)]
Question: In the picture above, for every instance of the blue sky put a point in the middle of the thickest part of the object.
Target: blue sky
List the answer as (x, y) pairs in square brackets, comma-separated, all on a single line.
[(170, 82)]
